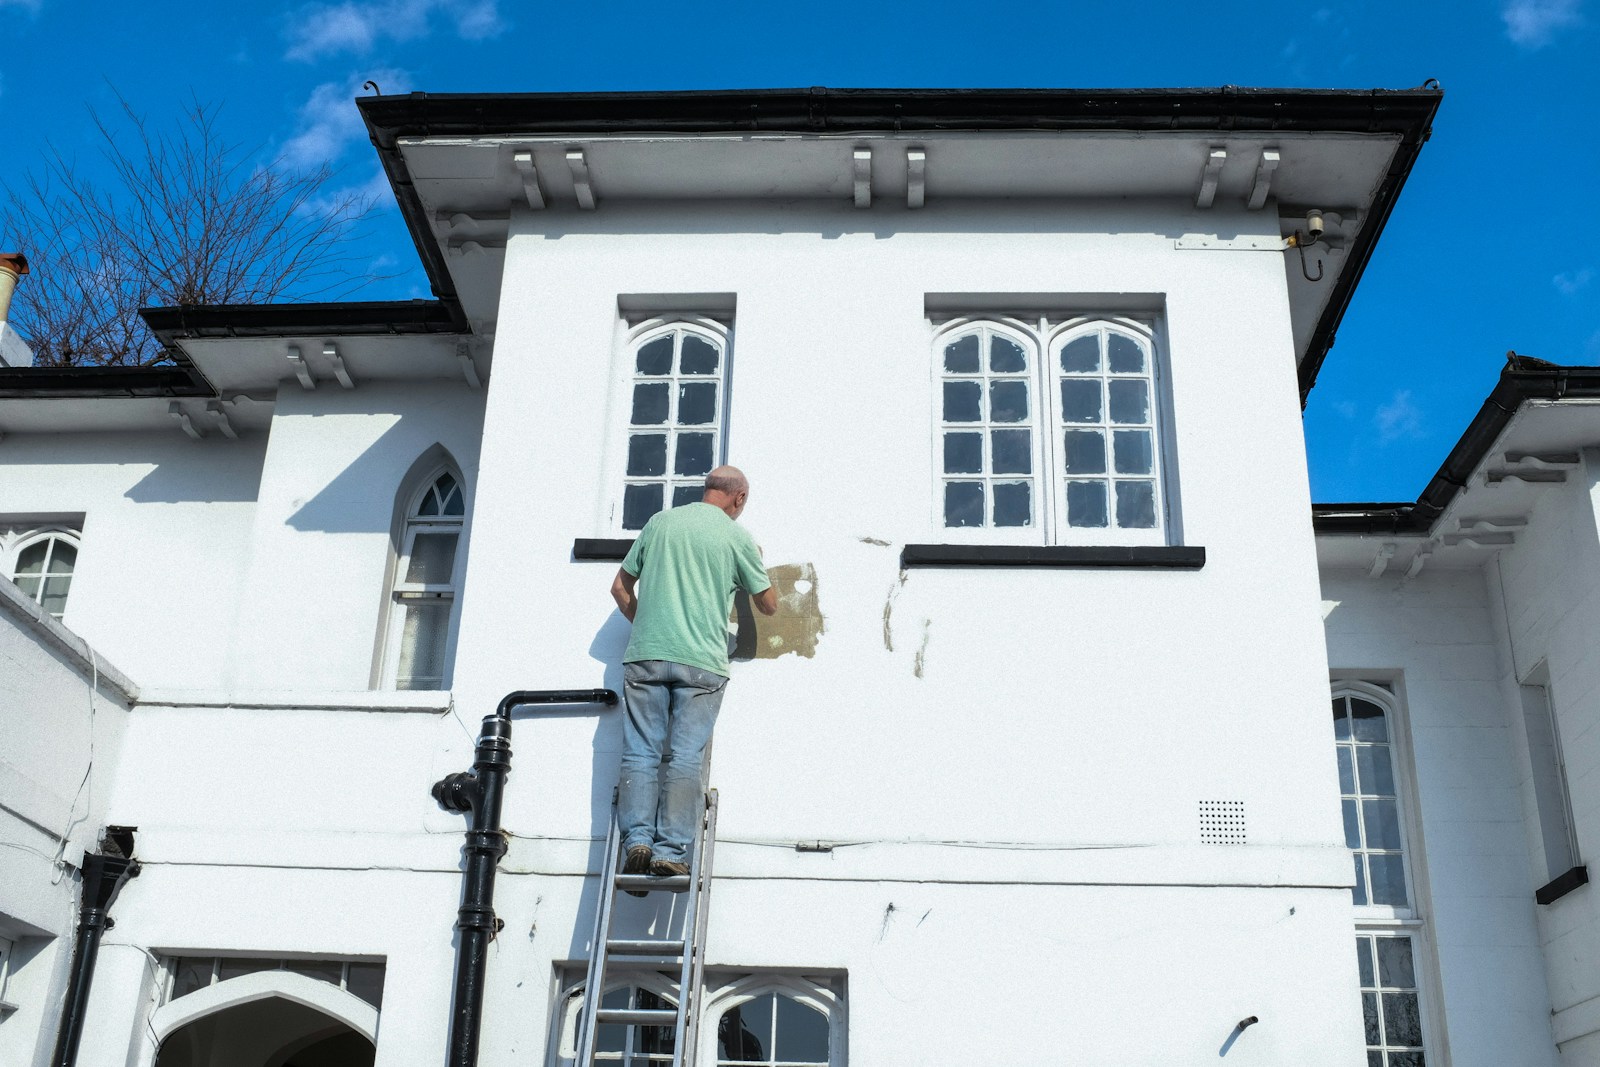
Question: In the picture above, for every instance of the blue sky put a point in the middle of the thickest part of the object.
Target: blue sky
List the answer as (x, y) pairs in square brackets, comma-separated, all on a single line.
[(1488, 250)]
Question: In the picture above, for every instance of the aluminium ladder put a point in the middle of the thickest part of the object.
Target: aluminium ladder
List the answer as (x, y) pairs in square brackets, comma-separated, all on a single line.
[(688, 951)]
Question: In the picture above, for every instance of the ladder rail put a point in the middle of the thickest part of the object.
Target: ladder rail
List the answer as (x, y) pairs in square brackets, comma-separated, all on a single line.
[(700, 914), (594, 983)]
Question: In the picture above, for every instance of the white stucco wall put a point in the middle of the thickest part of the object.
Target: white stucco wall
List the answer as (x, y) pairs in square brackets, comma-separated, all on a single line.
[(63, 718), (1433, 638)]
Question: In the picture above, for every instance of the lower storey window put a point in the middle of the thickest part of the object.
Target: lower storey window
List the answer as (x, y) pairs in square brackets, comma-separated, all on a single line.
[(1389, 1000)]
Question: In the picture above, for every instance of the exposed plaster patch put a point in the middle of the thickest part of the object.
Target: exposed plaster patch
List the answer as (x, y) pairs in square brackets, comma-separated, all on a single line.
[(888, 610), (798, 624), (873, 541), (922, 652)]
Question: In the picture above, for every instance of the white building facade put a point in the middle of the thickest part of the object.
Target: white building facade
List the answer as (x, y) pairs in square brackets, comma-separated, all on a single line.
[(1036, 760)]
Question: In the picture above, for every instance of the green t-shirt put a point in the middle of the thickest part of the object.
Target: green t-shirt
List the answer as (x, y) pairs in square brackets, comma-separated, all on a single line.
[(689, 561)]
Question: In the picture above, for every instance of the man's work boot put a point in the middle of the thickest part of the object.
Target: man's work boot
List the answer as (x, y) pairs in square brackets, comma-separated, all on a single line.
[(668, 868), (637, 862)]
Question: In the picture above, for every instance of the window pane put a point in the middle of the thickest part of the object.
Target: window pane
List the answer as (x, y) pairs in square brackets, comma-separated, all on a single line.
[(1388, 880), (1130, 400), (687, 494), (699, 356), (1012, 451), (656, 357), (1136, 505), (366, 982), (30, 586), (1126, 357), (639, 502), (1368, 721), (1364, 960), (1006, 356), (650, 402), (422, 641), (1086, 452), (1013, 504), (1377, 771), (1081, 356), (694, 453), (647, 454), (1358, 895), (697, 403), (433, 559), (741, 1031), (1394, 963), (54, 599), (237, 968), (1086, 504), (1008, 401), (1352, 826), (963, 504), (1341, 722), (1374, 1059), (1369, 1015), (962, 401), (191, 974), (1347, 780), (802, 1033), (963, 453), (31, 559), (653, 1039), (961, 357), (1406, 1059), (1131, 450), (1401, 1020), (63, 556), (1382, 820), (321, 970), (1080, 400)]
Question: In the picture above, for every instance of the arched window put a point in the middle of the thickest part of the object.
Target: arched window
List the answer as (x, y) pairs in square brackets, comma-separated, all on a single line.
[(1390, 931), (676, 400), (776, 1019), (630, 1046), (426, 577), (43, 568), (1049, 432)]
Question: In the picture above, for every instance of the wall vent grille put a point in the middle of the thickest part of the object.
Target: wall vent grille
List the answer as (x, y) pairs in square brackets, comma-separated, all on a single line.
[(1222, 822)]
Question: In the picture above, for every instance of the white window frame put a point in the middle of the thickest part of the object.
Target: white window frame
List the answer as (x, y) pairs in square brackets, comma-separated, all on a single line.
[(1547, 780), (1043, 337), (18, 538), (824, 994), (8, 948), (718, 331), (1410, 920), (400, 591)]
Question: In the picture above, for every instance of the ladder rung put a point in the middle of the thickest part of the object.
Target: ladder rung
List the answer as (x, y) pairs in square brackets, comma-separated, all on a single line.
[(638, 1016), (645, 948), (676, 883)]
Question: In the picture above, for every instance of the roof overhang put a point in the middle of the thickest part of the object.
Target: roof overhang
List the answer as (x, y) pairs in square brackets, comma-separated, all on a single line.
[(1528, 435), (459, 163)]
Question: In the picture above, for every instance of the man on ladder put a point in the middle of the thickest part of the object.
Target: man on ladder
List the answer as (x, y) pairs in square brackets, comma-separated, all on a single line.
[(687, 563)]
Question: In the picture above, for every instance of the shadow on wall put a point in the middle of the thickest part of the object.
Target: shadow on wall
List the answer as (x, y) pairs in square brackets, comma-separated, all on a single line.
[(230, 472), (361, 498)]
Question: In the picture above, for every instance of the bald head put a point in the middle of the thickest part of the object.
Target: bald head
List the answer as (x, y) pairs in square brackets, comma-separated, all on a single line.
[(727, 488)]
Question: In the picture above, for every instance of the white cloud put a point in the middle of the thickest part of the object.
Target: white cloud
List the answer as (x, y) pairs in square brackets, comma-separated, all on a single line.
[(1569, 283), (1534, 23), (1345, 409), (359, 25), (329, 121), (1399, 418)]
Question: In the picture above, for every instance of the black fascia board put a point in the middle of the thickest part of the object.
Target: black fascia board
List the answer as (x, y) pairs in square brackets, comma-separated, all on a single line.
[(1407, 113), (91, 382), (341, 318), (1523, 378)]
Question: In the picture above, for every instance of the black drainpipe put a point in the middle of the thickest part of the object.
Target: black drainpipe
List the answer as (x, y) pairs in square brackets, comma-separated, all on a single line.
[(479, 791), (104, 874)]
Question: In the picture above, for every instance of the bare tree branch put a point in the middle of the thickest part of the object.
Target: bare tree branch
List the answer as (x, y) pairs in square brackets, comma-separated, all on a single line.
[(178, 217)]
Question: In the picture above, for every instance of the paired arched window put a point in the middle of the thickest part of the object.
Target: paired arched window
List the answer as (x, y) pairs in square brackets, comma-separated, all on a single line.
[(677, 395), (42, 562), (426, 583), (755, 1020)]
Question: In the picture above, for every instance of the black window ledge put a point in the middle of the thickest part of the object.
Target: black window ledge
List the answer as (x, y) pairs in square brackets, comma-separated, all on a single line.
[(1170, 557), (1561, 885), (601, 547)]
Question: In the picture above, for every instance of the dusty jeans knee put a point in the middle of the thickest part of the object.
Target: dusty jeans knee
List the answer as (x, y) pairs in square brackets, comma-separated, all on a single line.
[(670, 711)]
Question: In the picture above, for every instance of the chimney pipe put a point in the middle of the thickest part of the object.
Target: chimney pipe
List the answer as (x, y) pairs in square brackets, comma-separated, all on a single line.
[(12, 266)]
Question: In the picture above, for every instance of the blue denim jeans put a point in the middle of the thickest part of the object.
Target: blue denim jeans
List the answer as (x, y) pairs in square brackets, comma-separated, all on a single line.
[(670, 710)]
